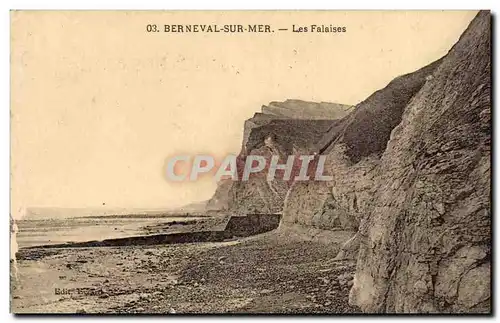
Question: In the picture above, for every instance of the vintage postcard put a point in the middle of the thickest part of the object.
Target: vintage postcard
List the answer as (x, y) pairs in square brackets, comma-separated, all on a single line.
[(244, 162)]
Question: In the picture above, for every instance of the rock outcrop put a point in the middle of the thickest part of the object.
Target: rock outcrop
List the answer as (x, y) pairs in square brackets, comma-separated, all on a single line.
[(411, 181), (425, 245)]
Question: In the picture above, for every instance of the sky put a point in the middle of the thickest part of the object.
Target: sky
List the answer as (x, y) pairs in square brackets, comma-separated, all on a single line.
[(98, 103)]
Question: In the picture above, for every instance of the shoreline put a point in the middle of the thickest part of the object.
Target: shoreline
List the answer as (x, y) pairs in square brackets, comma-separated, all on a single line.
[(264, 273)]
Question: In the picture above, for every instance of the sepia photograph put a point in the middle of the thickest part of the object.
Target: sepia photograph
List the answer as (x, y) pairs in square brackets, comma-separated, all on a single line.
[(324, 162)]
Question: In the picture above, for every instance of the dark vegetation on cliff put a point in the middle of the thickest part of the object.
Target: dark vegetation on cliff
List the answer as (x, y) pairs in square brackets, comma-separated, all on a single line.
[(366, 130)]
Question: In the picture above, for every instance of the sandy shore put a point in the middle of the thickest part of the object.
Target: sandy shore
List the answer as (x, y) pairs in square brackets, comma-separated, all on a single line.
[(261, 274)]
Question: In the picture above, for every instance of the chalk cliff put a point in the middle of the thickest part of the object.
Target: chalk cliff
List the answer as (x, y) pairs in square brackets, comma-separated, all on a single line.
[(291, 127)]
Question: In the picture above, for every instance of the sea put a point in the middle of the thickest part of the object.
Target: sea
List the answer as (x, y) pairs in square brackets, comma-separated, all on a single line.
[(37, 232)]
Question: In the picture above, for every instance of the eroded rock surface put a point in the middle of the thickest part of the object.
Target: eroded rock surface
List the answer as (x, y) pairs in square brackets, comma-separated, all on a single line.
[(425, 246)]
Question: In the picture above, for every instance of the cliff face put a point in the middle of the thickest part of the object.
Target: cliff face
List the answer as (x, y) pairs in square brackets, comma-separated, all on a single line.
[(411, 182), (353, 146), (425, 244), (290, 127), (335, 205)]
